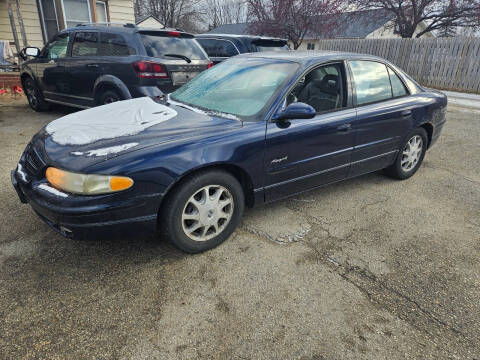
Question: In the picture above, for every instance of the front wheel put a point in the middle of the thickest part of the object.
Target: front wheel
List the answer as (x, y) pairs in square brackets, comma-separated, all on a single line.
[(34, 96), (410, 156), (203, 211)]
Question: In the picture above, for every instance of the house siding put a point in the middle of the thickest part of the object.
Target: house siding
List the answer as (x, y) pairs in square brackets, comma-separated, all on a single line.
[(119, 11), (31, 22), (150, 23)]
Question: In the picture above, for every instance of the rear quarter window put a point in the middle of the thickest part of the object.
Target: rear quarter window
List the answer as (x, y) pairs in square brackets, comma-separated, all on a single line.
[(156, 45), (218, 48)]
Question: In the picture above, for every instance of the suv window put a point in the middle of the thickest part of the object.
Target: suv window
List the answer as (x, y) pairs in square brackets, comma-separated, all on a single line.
[(85, 44), (270, 45), (159, 43), (372, 82), (114, 45), (322, 88), (58, 47), (398, 88), (218, 48)]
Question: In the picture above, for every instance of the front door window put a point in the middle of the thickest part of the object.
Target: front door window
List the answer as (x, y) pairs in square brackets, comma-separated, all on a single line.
[(58, 47)]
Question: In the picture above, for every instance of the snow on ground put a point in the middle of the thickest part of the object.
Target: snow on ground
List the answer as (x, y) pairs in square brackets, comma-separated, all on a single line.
[(463, 99)]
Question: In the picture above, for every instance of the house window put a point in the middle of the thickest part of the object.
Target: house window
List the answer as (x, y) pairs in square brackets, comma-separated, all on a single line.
[(69, 13), (48, 14), (101, 11), (310, 46), (76, 12)]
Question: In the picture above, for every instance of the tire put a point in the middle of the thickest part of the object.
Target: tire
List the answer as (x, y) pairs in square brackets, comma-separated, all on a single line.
[(407, 162), (34, 96), (179, 214), (108, 97)]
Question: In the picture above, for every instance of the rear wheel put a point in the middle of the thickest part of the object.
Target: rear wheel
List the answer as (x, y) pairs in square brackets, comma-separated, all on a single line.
[(203, 211), (410, 156), (34, 96), (108, 97)]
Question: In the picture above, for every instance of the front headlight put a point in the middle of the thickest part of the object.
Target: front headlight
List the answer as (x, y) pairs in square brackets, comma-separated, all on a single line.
[(86, 184)]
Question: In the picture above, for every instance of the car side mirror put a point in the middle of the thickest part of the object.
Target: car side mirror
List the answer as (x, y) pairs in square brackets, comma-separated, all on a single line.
[(296, 110), (32, 51)]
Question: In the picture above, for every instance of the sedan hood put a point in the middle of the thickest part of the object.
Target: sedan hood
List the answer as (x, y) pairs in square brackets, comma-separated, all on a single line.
[(87, 137)]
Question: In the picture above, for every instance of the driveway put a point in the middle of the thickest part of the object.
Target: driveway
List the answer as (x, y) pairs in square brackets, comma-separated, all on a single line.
[(371, 268)]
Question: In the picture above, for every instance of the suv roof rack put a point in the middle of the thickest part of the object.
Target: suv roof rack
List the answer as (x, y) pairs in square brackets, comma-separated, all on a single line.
[(127, 25)]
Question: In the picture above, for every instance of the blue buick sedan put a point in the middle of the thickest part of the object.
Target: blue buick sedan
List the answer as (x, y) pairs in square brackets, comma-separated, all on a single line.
[(251, 130)]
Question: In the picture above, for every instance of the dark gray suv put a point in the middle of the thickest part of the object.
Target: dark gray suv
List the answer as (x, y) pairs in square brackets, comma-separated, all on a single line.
[(93, 65)]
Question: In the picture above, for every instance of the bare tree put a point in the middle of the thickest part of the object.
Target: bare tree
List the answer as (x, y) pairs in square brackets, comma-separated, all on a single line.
[(293, 19), (221, 12), (171, 13), (437, 15)]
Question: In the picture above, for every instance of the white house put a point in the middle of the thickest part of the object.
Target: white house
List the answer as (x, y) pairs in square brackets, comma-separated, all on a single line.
[(149, 21)]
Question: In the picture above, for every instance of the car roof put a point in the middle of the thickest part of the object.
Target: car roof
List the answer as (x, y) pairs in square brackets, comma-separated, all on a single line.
[(234, 36), (308, 56), (126, 28)]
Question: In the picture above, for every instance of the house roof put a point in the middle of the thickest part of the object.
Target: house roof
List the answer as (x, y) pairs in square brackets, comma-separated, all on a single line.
[(355, 24), (141, 19), (232, 29)]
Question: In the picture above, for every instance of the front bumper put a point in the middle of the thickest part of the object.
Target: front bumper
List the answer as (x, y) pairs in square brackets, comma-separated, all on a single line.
[(77, 216)]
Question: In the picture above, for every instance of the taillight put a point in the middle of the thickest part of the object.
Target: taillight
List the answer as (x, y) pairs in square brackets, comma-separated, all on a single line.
[(174, 33), (210, 64), (150, 70)]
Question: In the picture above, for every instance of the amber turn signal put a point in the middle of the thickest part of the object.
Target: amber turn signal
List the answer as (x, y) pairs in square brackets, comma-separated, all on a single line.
[(86, 184)]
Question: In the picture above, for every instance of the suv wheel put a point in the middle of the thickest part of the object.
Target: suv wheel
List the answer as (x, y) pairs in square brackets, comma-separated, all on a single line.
[(108, 97), (34, 96), (203, 211)]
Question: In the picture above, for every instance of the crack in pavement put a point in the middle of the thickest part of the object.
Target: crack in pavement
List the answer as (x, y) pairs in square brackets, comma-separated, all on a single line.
[(426, 164), (344, 270)]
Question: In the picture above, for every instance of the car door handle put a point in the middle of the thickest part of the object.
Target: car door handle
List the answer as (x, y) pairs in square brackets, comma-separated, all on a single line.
[(406, 113), (344, 127), (92, 65)]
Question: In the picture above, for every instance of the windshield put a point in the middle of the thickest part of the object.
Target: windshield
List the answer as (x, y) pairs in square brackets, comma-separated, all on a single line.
[(238, 86), (157, 45)]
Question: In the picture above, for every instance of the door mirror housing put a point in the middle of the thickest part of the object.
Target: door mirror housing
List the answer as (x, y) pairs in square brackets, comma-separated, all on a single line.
[(32, 51), (296, 110)]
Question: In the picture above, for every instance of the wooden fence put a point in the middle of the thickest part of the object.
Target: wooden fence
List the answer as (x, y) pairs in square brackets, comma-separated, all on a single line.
[(444, 63)]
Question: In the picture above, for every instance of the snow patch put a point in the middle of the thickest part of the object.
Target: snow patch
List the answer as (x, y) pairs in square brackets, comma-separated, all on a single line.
[(106, 151), (52, 190), (110, 121), (463, 99), (21, 173)]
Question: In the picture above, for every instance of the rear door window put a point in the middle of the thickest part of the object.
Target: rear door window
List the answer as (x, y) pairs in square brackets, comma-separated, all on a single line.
[(85, 44), (398, 87), (114, 45), (157, 44), (372, 82), (218, 48)]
